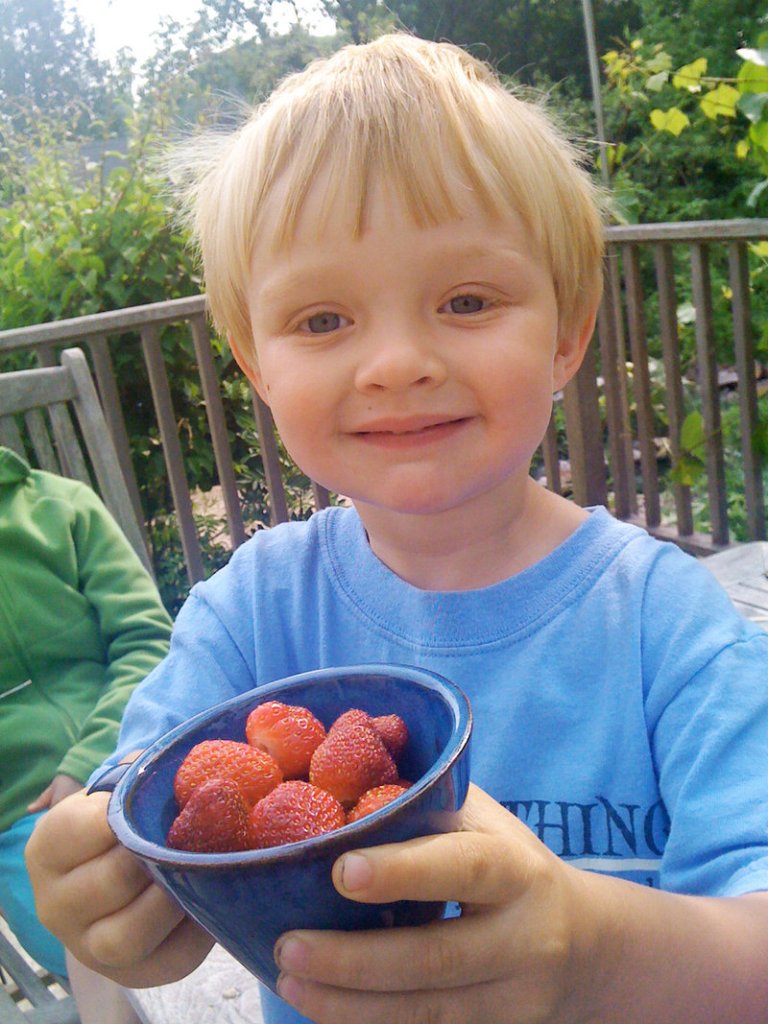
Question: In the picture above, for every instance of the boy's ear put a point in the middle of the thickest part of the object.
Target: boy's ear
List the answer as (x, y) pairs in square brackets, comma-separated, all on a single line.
[(249, 365), (571, 348)]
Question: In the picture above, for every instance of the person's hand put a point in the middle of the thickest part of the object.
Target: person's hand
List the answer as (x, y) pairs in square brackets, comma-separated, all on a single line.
[(97, 898), (512, 956), (61, 786)]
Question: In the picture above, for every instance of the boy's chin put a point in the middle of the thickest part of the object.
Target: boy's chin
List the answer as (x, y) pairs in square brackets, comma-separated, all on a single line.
[(416, 505)]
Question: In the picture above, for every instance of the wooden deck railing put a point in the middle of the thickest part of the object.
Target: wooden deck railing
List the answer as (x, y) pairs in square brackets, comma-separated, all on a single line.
[(612, 426), (610, 443)]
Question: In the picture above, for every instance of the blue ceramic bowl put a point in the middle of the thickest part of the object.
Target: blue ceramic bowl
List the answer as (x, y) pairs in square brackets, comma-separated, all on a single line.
[(246, 900)]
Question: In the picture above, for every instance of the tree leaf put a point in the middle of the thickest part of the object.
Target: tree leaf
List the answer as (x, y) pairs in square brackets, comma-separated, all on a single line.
[(752, 78), (754, 56), (673, 120), (693, 438), (657, 82), (688, 471), (752, 105), (720, 102), (756, 192), (758, 134), (689, 75)]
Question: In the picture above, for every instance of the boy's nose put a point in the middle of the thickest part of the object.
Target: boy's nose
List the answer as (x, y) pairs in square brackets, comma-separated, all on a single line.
[(394, 364)]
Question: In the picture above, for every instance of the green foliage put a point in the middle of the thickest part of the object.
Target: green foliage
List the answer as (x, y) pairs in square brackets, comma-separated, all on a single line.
[(691, 469), (691, 465), (530, 39), (168, 556), (81, 235), (680, 120)]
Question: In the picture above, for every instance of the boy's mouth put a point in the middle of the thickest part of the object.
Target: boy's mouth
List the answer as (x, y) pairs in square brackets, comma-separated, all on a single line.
[(411, 430)]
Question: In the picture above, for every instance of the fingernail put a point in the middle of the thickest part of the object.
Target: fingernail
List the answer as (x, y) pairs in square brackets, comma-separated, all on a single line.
[(289, 989), (292, 954), (356, 872)]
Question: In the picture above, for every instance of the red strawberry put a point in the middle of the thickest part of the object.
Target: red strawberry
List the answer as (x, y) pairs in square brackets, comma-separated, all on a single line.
[(214, 820), (255, 772), (292, 812), (351, 760), (354, 716), (373, 799), (391, 728), (393, 732), (289, 734)]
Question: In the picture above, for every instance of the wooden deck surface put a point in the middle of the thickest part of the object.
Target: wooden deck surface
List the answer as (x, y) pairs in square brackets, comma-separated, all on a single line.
[(743, 571)]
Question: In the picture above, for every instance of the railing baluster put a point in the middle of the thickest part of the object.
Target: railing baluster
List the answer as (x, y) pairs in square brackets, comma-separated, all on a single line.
[(646, 432), (270, 458), (665, 281), (216, 421), (113, 413), (614, 376), (321, 495), (551, 456), (584, 430), (745, 367), (182, 501), (710, 398)]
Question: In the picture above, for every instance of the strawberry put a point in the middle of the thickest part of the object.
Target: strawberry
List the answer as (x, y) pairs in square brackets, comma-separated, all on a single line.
[(255, 772), (290, 734), (213, 820), (391, 728), (350, 717), (351, 760), (293, 811), (374, 799), (393, 732)]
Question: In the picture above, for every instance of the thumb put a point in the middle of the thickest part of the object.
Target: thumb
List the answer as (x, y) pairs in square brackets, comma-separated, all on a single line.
[(41, 802)]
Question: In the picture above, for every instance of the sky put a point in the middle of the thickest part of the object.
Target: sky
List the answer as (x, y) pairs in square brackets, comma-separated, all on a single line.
[(118, 23)]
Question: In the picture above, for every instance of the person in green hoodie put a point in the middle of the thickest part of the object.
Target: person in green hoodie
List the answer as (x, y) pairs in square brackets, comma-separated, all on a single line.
[(81, 623)]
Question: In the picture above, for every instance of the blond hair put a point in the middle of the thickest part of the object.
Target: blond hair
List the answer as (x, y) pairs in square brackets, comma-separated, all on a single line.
[(427, 118)]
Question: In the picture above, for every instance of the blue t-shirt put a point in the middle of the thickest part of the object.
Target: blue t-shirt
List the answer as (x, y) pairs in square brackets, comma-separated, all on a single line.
[(620, 702)]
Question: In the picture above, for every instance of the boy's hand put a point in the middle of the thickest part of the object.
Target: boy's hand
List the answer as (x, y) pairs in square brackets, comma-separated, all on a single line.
[(514, 955), (96, 897)]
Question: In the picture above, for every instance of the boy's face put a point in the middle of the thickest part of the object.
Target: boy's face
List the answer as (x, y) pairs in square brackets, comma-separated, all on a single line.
[(411, 369)]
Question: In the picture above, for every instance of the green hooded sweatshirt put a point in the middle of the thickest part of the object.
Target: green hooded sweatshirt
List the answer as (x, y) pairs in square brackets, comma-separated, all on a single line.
[(81, 623)]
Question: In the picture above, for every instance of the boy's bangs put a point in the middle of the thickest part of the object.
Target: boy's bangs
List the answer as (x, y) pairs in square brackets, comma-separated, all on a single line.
[(430, 187), (434, 150)]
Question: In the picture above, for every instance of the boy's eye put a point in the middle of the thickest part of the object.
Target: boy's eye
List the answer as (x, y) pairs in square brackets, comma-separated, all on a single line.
[(323, 323), (466, 304)]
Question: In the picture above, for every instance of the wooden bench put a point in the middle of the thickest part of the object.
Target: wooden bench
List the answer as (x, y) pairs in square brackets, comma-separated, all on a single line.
[(21, 984)]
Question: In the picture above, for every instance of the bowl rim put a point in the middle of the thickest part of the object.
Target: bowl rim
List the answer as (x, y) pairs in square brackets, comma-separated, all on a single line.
[(117, 813)]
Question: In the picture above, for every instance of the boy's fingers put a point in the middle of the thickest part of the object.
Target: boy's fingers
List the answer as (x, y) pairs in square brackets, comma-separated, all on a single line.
[(463, 866), (152, 932), (486, 866), (50, 848), (445, 954), (328, 1005)]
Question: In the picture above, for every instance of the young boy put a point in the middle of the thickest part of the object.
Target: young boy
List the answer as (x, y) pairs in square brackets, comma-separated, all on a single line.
[(407, 261)]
